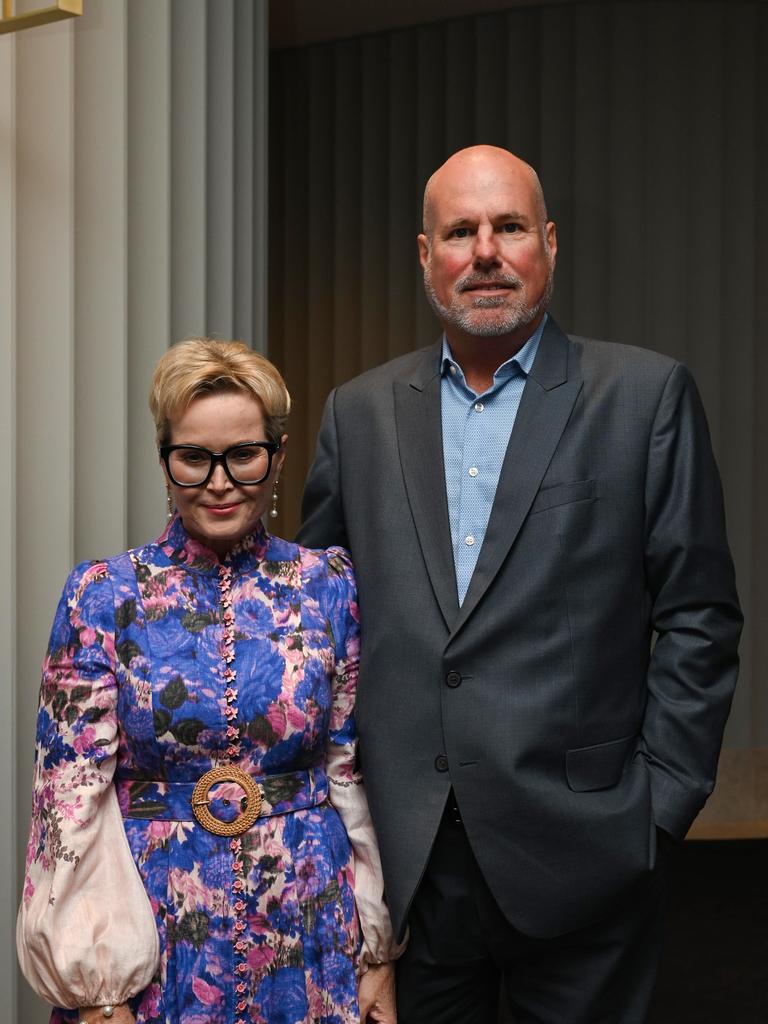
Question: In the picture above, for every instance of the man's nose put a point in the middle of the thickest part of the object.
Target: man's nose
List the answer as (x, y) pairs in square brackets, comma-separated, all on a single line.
[(486, 251)]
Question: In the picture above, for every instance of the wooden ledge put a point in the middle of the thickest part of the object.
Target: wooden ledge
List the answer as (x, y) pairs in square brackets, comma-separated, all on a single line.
[(738, 808)]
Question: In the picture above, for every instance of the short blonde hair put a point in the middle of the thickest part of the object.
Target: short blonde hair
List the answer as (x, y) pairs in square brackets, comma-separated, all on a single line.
[(203, 366)]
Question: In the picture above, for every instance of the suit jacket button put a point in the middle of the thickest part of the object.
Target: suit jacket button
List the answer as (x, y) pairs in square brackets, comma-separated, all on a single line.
[(441, 763), (453, 679)]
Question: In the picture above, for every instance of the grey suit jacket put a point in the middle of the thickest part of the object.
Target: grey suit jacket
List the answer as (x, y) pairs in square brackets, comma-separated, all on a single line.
[(566, 732)]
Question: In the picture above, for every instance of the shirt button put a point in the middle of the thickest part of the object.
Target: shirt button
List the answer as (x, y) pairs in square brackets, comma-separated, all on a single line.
[(479, 406), (469, 541), (453, 679), (441, 763), (473, 471), (453, 371)]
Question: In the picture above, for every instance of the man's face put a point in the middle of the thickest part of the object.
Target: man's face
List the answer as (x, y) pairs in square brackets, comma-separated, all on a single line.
[(490, 256)]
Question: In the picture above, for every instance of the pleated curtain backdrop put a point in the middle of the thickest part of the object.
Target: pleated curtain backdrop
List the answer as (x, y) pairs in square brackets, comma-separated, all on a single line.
[(647, 123), (132, 212)]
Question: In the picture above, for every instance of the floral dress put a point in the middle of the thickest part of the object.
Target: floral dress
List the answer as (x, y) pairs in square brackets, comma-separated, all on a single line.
[(163, 663)]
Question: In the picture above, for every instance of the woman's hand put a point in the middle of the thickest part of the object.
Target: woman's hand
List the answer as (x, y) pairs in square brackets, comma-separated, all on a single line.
[(376, 994), (93, 1015)]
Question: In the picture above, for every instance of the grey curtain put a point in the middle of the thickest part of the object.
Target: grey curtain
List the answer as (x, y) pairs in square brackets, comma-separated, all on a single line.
[(647, 125)]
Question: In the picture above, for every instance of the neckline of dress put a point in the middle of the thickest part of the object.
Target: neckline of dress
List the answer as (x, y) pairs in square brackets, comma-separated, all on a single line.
[(185, 550)]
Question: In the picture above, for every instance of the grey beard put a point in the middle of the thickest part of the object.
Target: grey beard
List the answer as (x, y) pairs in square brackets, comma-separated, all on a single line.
[(482, 319)]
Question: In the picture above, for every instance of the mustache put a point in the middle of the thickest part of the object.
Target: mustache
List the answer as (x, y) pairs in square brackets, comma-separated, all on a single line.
[(478, 280)]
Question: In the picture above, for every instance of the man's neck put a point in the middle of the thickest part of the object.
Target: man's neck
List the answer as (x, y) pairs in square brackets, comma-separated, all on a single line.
[(480, 358)]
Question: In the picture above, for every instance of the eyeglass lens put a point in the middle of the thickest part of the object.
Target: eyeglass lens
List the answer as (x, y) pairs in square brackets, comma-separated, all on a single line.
[(247, 464)]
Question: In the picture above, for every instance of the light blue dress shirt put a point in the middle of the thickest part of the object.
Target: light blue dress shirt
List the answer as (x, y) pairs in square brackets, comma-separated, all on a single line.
[(476, 431)]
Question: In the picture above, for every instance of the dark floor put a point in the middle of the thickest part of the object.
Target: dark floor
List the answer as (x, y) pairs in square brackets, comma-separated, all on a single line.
[(715, 964)]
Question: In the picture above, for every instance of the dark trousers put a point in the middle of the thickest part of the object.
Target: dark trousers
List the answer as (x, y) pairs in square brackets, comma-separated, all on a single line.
[(462, 949)]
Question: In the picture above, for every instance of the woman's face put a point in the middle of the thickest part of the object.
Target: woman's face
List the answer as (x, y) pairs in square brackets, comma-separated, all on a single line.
[(220, 512)]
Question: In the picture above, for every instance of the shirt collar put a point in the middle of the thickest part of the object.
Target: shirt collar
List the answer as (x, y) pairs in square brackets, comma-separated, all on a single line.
[(521, 362)]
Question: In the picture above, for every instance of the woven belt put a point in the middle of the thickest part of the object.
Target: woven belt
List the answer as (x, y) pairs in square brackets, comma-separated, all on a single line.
[(262, 796)]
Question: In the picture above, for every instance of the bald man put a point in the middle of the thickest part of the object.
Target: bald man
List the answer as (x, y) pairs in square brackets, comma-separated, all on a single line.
[(528, 512)]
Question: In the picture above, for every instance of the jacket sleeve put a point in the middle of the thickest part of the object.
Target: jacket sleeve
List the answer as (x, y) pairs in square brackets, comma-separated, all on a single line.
[(322, 513), (346, 788), (85, 933), (695, 609)]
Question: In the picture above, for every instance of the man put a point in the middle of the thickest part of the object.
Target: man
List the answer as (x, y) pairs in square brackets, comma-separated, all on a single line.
[(526, 511)]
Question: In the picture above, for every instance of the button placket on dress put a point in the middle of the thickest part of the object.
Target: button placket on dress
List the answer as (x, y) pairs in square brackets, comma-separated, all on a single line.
[(229, 673)]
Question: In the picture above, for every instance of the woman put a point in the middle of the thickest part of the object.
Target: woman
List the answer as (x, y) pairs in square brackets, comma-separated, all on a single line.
[(201, 849)]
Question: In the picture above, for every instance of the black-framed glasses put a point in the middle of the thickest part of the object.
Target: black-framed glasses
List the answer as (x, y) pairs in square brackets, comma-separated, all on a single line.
[(190, 465)]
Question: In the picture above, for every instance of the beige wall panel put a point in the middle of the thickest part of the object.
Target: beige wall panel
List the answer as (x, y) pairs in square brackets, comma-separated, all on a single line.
[(45, 345), (189, 117), (243, 198), (149, 251), (220, 169), (8, 753), (258, 129), (100, 282)]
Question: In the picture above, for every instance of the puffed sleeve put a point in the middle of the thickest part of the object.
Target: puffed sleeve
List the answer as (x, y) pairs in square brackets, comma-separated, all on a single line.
[(346, 789), (85, 932)]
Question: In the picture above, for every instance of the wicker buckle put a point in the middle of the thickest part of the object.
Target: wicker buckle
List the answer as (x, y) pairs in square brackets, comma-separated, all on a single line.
[(200, 801)]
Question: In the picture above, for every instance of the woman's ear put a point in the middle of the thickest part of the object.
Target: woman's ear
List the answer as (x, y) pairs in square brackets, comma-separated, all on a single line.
[(165, 471), (281, 454)]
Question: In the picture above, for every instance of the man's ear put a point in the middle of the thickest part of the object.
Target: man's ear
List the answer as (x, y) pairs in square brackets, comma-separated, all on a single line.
[(423, 243), (550, 231)]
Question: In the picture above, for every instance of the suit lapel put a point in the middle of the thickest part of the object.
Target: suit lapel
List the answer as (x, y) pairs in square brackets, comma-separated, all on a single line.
[(546, 405), (420, 440)]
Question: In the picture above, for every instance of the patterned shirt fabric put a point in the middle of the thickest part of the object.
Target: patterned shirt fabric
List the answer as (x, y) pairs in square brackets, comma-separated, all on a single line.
[(164, 662), (476, 432)]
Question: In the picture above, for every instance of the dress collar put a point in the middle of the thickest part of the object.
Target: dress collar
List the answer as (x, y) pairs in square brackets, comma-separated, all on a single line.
[(185, 550)]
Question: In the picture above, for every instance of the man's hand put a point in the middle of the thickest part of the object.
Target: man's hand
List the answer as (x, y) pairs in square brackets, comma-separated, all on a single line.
[(93, 1015), (376, 994)]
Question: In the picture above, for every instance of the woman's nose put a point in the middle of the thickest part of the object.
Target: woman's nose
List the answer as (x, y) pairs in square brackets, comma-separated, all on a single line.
[(219, 480)]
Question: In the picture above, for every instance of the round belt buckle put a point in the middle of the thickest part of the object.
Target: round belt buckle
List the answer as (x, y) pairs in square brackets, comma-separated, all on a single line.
[(200, 800)]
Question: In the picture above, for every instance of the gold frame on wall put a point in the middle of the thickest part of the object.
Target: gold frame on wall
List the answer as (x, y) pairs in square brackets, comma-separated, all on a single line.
[(10, 22)]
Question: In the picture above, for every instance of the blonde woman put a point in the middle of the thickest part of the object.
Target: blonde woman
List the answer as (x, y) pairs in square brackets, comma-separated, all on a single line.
[(201, 849)]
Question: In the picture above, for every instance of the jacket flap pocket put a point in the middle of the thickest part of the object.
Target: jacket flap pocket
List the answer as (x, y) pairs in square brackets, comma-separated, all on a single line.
[(564, 494), (600, 766)]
